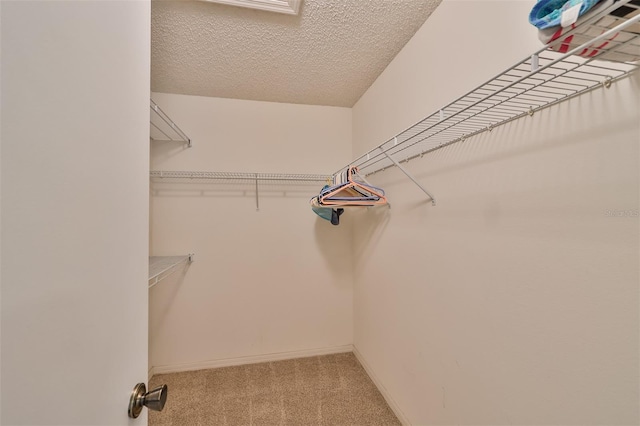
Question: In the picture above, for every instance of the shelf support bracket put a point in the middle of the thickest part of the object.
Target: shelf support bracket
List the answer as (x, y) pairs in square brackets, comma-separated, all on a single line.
[(257, 202), (403, 170)]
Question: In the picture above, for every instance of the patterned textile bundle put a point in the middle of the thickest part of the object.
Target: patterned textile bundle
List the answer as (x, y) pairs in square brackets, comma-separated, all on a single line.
[(548, 13), (564, 39)]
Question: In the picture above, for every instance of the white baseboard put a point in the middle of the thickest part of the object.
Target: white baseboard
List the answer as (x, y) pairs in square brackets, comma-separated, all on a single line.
[(254, 359), (392, 403)]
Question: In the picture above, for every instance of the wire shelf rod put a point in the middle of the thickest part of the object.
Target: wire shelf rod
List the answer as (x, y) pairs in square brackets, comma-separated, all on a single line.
[(159, 174), (165, 118)]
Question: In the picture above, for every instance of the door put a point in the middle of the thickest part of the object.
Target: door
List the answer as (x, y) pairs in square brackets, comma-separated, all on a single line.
[(74, 210)]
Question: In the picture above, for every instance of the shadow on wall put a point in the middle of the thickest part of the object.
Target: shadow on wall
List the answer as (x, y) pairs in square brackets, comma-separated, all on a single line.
[(162, 295), (372, 222)]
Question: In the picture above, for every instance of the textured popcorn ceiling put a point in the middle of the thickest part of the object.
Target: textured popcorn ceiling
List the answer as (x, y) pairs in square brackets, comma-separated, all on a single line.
[(327, 55)]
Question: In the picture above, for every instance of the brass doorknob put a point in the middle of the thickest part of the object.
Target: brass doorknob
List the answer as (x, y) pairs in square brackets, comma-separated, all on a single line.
[(153, 400)]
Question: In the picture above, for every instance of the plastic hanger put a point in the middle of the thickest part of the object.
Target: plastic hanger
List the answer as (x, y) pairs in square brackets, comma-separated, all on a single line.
[(352, 193)]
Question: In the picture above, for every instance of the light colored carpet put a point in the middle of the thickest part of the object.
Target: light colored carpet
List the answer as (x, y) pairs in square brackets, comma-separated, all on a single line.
[(329, 390)]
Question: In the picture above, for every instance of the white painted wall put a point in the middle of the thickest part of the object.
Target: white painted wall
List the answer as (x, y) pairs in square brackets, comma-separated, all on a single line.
[(515, 299), (277, 281), (0, 206), (75, 158)]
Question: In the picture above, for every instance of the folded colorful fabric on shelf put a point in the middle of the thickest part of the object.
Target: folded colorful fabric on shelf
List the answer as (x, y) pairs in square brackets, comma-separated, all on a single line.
[(619, 47), (548, 13)]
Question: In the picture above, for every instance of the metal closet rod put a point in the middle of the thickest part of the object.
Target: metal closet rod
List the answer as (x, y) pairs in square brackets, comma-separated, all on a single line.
[(164, 117), (235, 176), (380, 151), (162, 174)]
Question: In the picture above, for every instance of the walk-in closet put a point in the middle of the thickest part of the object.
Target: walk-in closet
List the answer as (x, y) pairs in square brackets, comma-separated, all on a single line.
[(305, 212)]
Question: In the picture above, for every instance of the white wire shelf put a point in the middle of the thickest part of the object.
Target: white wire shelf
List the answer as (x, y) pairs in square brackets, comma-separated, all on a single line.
[(254, 179), (238, 176), (540, 81), (163, 128), (161, 267)]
